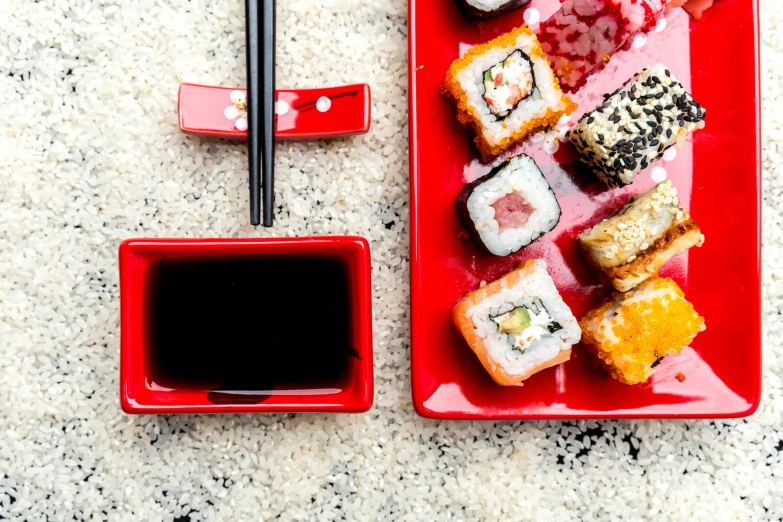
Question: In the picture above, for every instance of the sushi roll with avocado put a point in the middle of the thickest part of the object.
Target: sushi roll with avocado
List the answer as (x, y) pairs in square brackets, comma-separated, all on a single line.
[(635, 125), (509, 208), (517, 325), (486, 9), (505, 90), (633, 331), (633, 243)]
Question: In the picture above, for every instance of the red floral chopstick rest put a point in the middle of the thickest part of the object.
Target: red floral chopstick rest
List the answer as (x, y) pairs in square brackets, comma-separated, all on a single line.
[(302, 114)]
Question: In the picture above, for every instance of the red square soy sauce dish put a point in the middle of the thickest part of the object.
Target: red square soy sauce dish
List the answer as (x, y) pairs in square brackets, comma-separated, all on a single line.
[(246, 325)]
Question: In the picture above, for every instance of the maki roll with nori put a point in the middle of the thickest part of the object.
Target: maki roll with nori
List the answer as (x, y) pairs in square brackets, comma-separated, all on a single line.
[(517, 325), (635, 125), (633, 243), (632, 332), (509, 208), (486, 9), (505, 90)]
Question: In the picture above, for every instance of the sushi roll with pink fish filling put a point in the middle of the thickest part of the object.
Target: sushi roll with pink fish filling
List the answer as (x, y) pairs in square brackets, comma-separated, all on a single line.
[(509, 208)]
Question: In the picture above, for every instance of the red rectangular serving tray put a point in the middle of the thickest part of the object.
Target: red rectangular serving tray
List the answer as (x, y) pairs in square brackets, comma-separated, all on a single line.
[(717, 174)]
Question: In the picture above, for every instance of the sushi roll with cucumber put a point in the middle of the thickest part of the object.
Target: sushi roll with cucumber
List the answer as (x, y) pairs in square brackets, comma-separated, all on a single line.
[(517, 325), (505, 90), (509, 208), (635, 125), (634, 242), (486, 9), (633, 331)]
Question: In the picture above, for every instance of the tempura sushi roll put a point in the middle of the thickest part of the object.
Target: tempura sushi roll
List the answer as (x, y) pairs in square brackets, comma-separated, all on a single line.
[(581, 36), (509, 208), (635, 125), (633, 243), (505, 90), (486, 9), (517, 325), (633, 331)]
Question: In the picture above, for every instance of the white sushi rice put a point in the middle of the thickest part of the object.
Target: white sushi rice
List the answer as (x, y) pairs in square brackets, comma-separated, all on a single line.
[(545, 97), (83, 169), (538, 285), (488, 5), (520, 176)]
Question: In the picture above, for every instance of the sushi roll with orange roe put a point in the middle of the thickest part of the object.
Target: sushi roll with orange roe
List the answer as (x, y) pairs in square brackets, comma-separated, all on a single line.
[(505, 90), (632, 332)]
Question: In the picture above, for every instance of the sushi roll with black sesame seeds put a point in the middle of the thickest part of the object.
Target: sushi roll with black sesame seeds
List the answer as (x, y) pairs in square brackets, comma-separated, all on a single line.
[(509, 208), (635, 125), (486, 9)]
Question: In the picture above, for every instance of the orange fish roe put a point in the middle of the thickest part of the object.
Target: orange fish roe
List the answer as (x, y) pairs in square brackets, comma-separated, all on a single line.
[(680, 376), (467, 114), (633, 331)]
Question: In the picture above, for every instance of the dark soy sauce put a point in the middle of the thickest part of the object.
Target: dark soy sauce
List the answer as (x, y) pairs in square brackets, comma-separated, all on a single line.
[(249, 328)]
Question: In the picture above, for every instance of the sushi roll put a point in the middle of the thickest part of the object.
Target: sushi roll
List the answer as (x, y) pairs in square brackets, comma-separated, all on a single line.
[(632, 244), (635, 125), (633, 331), (505, 90), (582, 35), (509, 208), (486, 9), (517, 325)]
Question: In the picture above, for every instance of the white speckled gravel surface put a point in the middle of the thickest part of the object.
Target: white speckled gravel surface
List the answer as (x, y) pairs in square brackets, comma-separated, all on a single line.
[(90, 155)]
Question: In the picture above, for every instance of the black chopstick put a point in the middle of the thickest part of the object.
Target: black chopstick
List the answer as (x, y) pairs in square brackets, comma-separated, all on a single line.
[(261, 106), (268, 110)]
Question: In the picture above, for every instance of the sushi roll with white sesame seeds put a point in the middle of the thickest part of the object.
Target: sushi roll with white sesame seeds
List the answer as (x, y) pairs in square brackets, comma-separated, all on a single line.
[(505, 90), (509, 208), (486, 9), (632, 244), (635, 125)]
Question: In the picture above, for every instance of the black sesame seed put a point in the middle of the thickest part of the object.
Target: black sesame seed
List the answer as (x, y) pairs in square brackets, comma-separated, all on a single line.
[(590, 120), (667, 73), (658, 129), (668, 133), (659, 96), (654, 142)]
